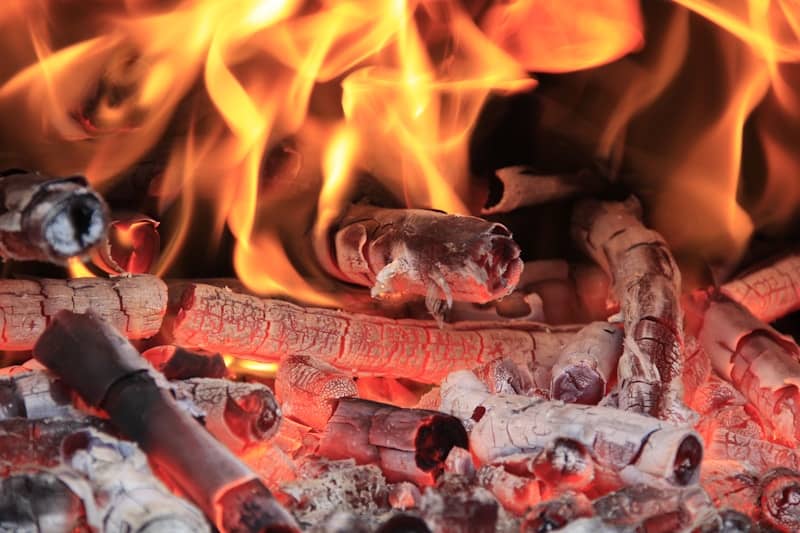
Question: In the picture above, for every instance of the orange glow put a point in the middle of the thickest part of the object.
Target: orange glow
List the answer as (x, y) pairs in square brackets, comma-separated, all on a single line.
[(565, 35), (239, 366)]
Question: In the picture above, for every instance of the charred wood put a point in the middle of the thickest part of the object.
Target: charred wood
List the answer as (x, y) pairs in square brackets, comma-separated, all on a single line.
[(102, 366), (49, 219), (403, 252), (179, 363), (407, 444), (308, 389), (217, 319), (39, 501), (521, 187), (515, 429), (647, 283), (135, 305), (769, 292), (586, 365)]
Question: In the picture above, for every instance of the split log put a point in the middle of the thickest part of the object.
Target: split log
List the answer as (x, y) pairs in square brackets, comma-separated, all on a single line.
[(630, 448), (586, 365), (48, 219), (135, 305), (520, 186), (656, 508), (218, 319), (407, 444), (762, 364), (308, 389), (647, 283), (769, 292), (239, 415), (179, 363), (780, 499), (404, 252), (103, 367)]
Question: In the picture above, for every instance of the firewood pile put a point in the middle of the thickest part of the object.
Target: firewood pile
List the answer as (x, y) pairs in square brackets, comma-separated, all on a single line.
[(139, 408)]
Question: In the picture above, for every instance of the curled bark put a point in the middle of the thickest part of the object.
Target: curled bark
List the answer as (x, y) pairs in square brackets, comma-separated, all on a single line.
[(520, 186), (627, 448), (49, 219), (585, 367), (308, 390), (90, 356), (217, 319), (403, 252), (407, 444), (759, 362), (647, 283)]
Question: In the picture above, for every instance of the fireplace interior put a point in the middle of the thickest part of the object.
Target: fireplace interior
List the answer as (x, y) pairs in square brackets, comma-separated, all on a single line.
[(400, 266)]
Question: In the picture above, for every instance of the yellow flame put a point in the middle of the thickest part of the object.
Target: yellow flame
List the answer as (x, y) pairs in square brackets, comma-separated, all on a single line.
[(240, 366), (77, 269)]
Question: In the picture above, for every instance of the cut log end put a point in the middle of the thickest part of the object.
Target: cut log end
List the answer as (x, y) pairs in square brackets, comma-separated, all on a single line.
[(75, 225), (435, 438)]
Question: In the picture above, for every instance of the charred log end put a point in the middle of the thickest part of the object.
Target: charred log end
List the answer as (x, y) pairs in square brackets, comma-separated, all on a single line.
[(251, 507), (435, 438), (252, 417), (74, 225), (566, 465), (686, 466), (780, 499), (503, 264), (180, 363), (579, 384), (404, 523)]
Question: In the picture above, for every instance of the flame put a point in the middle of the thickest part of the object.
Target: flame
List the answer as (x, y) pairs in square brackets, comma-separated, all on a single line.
[(247, 367), (77, 269)]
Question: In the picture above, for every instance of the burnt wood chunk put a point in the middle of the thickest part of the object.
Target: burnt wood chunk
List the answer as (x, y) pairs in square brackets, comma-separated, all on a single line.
[(108, 372), (49, 219), (407, 444)]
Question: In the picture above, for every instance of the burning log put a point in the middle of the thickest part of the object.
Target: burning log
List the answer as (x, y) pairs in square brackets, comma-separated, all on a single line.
[(28, 443), (647, 283), (134, 305), (770, 292), (308, 390), (586, 365), (238, 414), (179, 363), (102, 366), (762, 455), (505, 376), (520, 186), (512, 429), (407, 444), (656, 508), (35, 395), (780, 499), (48, 219), (758, 361), (402, 252), (218, 319)]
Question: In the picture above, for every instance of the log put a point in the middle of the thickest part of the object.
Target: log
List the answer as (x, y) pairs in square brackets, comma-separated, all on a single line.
[(179, 363), (769, 292), (49, 219), (520, 186), (407, 444), (26, 443), (416, 252), (240, 415), (586, 364), (103, 367), (758, 454), (762, 364), (36, 395), (780, 499), (647, 283), (308, 390), (40, 501), (135, 305), (624, 448), (218, 319), (505, 376), (656, 508)]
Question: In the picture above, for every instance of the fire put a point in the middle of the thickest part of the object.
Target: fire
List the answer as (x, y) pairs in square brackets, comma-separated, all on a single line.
[(391, 89)]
